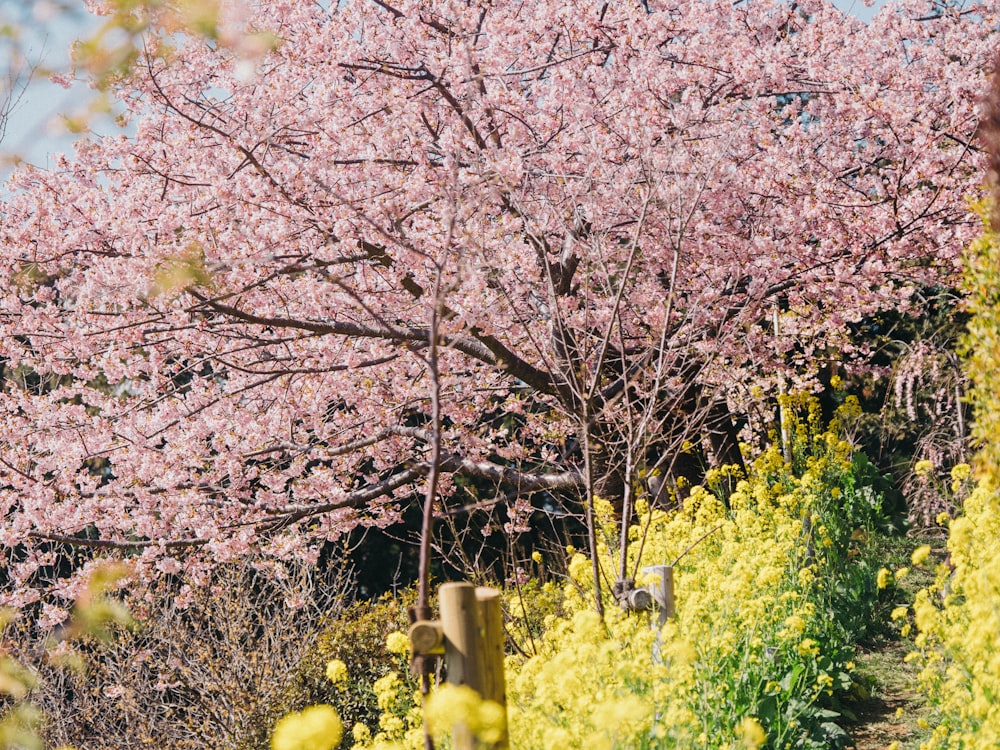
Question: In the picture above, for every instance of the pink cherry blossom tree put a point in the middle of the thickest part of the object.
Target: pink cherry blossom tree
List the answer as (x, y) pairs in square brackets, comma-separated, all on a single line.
[(215, 333)]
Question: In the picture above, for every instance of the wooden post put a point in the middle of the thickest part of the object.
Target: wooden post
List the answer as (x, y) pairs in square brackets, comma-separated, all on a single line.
[(494, 684), (460, 624), (471, 636), (463, 657), (663, 591), (426, 638)]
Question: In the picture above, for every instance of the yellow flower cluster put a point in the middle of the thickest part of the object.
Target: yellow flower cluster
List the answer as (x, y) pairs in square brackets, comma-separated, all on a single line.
[(959, 629), (336, 671), (741, 664), (920, 555), (742, 599), (959, 618), (313, 728), (751, 734), (397, 643), (459, 707), (883, 578)]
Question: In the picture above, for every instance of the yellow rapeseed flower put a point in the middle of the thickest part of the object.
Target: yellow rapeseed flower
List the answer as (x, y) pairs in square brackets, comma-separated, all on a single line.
[(920, 554), (556, 738), (361, 734), (314, 728), (795, 623), (808, 647), (459, 704), (491, 722), (386, 690), (391, 724), (750, 733), (882, 577), (397, 643), (960, 472), (336, 671)]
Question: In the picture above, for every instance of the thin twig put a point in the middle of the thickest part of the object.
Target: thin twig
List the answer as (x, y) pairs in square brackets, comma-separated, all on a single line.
[(696, 542)]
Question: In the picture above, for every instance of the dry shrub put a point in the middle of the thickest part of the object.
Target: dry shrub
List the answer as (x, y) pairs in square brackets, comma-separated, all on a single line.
[(929, 389), (214, 674)]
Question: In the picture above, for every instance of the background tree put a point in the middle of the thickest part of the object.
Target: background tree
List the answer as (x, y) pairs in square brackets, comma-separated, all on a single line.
[(637, 220)]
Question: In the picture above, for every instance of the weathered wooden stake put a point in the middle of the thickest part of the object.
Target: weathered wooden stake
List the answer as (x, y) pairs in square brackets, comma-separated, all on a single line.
[(663, 591), (494, 683), (461, 625), (462, 654), (471, 637), (426, 638)]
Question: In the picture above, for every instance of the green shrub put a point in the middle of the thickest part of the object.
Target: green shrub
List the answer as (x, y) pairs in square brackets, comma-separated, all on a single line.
[(356, 637)]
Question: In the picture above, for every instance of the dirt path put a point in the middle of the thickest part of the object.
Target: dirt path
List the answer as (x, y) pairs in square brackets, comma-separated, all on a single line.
[(895, 710), (891, 713)]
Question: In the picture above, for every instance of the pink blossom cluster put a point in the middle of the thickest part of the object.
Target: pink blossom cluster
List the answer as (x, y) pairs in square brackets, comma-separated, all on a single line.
[(212, 331)]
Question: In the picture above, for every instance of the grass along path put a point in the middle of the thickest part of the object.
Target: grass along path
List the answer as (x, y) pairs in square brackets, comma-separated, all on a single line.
[(895, 712)]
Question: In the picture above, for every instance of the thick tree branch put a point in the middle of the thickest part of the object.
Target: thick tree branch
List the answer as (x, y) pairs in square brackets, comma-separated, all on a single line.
[(486, 349), (119, 544)]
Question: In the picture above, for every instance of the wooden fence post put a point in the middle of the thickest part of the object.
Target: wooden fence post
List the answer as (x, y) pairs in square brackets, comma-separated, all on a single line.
[(494, 683), (663, 591), (463, 657), (470, 635), (461, 625), (472, 632)]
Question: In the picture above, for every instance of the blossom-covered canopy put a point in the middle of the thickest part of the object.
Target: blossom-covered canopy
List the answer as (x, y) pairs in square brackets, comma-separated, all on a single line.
[(213, 331)]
